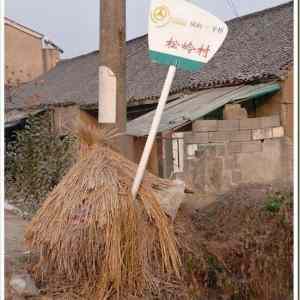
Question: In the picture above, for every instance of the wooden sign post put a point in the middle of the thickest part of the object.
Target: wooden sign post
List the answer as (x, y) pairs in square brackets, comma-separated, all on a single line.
[(184, 36)]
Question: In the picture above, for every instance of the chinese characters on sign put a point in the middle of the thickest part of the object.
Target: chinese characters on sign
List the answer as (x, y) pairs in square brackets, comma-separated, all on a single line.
[(188, 47), (172, 44), (215, 29), (183, 34)]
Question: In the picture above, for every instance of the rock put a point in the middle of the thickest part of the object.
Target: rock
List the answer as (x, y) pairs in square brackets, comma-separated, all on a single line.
[(23, 285), (11, 208), (15, 210)]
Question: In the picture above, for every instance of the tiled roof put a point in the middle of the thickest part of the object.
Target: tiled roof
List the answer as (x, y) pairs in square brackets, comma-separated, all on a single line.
[(259, 47)]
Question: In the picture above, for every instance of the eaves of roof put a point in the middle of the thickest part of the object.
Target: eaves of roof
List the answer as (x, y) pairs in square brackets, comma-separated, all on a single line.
[(190, 108)]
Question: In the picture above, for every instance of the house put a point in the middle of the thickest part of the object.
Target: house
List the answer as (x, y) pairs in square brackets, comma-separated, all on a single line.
[(242, 100), (234, 123), (28, 53)]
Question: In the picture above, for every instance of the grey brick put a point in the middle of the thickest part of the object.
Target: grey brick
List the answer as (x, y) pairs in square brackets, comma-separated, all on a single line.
[(278, 132), (196, 138), (191, 149), (200, 153), (234, 147), (241, 136), (272, 121), (271, 144), (236, 176), (205, 125), (231, 162), (254, 146), (262, 134), (210, 150), (228, 125), (219, 137), (220, 150), (251, 123)]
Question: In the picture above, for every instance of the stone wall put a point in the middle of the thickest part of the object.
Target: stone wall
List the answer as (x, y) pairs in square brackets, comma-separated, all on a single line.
[(222, 154)]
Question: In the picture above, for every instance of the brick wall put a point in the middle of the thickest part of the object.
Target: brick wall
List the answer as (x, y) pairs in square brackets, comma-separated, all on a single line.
[(222, 154)]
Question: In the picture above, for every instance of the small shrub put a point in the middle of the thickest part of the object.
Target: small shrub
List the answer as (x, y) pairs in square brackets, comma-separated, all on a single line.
[(274, 202), (36, 159)]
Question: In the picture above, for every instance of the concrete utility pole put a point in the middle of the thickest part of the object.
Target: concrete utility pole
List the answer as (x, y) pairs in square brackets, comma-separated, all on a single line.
[(112, 65)]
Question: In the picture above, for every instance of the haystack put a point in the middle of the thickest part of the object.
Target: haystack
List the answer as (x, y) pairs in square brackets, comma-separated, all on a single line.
[(92, 239)]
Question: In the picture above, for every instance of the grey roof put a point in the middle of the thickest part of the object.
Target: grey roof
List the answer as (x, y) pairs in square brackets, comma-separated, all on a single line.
[(259, 46), (183, 111)]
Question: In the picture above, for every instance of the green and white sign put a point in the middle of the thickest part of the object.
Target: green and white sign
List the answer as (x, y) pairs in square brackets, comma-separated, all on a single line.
[(182, 34)]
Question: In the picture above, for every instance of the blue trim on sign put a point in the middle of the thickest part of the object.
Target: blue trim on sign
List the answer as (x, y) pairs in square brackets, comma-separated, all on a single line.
[(179, 62)]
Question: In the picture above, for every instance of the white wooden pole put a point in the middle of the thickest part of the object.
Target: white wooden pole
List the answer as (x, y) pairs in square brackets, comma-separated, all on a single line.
[(153, 131)]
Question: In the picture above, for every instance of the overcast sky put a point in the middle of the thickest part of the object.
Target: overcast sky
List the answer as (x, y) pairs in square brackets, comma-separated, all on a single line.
[(73, 24)]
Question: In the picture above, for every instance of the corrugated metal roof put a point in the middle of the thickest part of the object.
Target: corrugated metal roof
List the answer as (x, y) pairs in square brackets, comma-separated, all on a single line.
[(187, 109)]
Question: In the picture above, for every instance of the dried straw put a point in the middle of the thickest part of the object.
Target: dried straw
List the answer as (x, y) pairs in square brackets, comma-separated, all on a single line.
[(93, 238)]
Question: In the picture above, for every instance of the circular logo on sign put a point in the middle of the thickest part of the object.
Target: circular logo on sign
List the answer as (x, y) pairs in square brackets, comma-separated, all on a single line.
[(161, 15)]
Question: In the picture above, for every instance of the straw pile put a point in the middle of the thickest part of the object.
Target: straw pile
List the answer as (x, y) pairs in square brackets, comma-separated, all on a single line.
[(93, 241)]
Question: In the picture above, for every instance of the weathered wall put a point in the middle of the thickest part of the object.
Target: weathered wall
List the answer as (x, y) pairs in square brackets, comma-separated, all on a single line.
[(269, 105), (25, 58), (65, 118), (50, 58), (222, 154), (281, 102), (287, 104), (234, 112), (23, 55)]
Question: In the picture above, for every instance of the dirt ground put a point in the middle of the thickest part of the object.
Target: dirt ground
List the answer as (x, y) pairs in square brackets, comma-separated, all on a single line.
[(239, 244), (245, 245), (14, 233), (14, 247)]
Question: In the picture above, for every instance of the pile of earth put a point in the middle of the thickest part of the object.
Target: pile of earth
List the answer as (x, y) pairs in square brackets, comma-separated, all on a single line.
[(241, 246)]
